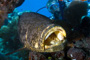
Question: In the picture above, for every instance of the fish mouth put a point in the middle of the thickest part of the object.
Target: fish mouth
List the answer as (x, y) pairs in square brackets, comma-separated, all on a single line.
[(54, 38)]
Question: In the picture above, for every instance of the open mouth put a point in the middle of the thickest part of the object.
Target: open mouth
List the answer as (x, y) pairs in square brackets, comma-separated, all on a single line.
[(54, 39)]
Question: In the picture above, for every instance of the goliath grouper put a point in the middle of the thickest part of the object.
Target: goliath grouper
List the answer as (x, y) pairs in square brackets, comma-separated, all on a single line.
[(37, 33)]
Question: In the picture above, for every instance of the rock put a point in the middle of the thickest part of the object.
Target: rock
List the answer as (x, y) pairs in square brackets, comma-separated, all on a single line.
[(36, 56), (58, 55), (76, 54)]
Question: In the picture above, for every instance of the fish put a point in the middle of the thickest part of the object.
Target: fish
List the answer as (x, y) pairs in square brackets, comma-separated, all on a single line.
[(35, 30)]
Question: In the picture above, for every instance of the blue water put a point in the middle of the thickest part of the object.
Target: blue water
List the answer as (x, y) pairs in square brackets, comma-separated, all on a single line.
[(34, 5)]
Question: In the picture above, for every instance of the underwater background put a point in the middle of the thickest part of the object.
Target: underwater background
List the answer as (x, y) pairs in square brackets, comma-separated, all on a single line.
[(34, 5), (9, 39)]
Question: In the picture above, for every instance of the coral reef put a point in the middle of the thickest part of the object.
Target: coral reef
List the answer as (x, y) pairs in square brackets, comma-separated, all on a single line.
[(9, 39), (77, 46), (7, 6), (76, 54), (74, 12), (37, 56)]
